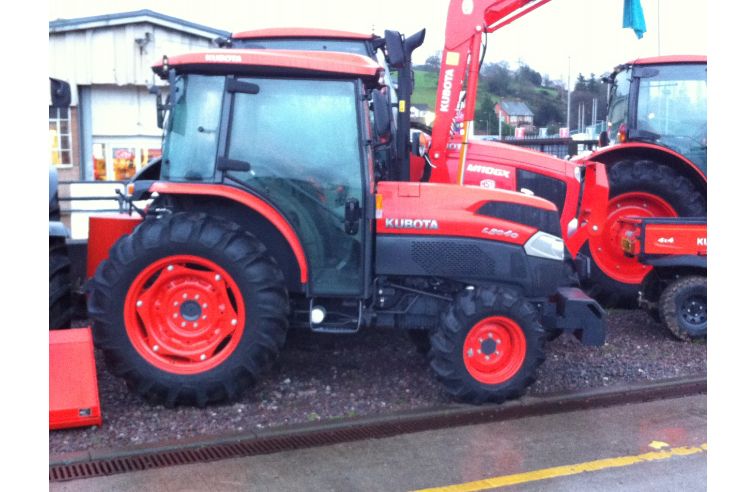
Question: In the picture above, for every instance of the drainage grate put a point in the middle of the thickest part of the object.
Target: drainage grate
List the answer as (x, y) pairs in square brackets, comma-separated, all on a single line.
[(356, 431)]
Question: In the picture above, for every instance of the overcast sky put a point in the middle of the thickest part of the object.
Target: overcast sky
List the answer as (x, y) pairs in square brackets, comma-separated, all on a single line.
[(580, 35)]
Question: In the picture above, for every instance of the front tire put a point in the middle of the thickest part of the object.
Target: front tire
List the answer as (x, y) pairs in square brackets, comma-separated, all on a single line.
[(488, 345), (638, 188), (189, 309), (682, 307)]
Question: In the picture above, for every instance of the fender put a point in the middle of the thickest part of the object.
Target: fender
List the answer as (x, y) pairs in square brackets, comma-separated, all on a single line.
[(248, 200), (609, 155)]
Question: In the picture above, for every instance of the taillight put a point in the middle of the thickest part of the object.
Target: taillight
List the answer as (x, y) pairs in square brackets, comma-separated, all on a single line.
[(622, 133)]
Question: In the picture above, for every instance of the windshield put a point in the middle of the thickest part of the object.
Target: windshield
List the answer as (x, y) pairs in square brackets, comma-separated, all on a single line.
[(191, 140), (672, 107)]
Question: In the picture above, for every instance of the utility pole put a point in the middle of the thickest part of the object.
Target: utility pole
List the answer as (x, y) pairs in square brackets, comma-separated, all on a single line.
[(568, 95)]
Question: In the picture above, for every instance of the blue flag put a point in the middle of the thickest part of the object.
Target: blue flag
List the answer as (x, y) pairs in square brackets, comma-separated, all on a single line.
[(633, 17)]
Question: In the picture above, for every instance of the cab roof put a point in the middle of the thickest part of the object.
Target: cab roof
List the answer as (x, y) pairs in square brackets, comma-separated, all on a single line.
[(668, 59), (285, 62), (300, 32)]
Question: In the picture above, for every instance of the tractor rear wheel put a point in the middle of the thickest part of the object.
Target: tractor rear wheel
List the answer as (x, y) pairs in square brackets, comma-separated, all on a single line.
[(189, 309), (61, 301), (682, 307), (488, 345), (637, 188)]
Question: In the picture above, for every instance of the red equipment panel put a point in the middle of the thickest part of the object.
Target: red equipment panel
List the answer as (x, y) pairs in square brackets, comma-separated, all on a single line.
[(74, 399), (104, 231), (663, 237)]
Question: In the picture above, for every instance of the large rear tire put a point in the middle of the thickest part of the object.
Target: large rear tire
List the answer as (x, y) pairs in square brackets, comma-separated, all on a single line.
[(61, 301), (189, 309), (639, 188), (487, 346)]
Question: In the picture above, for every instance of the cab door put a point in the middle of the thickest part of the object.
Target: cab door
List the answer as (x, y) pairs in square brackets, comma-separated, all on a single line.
[(301, 139)]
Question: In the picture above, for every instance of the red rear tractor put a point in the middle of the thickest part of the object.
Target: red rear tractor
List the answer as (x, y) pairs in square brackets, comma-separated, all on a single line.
[(656, 159), (267, 214)]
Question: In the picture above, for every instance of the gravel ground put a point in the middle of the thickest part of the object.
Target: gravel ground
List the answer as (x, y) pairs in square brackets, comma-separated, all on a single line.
[(321, 377)]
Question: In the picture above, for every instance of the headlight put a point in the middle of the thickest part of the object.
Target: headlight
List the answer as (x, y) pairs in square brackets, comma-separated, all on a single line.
[(545, 245)]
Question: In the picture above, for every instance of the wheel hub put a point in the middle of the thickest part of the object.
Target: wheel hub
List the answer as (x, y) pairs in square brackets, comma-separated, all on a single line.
[(184, 314), (494, 350), (694, 311), (191, 310), (606, 249)]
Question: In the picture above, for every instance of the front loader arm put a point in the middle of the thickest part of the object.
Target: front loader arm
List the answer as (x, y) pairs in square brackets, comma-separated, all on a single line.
[(466, 22)]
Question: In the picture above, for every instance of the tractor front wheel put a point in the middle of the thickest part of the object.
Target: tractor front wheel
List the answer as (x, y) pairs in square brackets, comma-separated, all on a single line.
[(487, 346), (189, 309), (682, 307)]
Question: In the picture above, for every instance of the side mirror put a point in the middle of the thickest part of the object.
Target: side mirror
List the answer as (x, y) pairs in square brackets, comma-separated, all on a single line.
[(394, 49), (159, 106), (381, 114)]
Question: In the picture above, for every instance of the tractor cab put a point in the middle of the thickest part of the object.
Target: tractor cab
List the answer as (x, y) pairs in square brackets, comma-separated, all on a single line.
[(292, 128), (660, 101)]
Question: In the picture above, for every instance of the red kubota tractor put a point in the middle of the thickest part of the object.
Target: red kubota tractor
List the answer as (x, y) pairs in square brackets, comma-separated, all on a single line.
[(268, 212)]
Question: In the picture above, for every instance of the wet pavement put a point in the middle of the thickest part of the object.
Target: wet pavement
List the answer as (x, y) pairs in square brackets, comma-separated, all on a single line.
[(658, 445)]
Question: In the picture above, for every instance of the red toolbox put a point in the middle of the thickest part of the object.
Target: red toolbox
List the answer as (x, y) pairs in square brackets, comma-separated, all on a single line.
[(74, 398)]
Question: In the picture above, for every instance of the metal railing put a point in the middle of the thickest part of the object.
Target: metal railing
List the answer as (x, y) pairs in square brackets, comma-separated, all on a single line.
[(80, 199), (558, 147)]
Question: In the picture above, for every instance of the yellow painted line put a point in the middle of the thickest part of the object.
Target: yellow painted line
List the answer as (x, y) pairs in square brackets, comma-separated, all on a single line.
[(566, 470)]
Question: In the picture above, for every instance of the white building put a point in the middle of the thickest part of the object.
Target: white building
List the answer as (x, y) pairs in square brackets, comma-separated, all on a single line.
[(111, 129)]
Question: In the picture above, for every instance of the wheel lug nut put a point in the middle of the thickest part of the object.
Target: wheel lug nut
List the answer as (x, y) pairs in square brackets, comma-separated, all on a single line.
[(196, 296), (204, 306), (175, 303), (487, 357), (185, 296), (470, 352), (196, 324), (183, 323), (175, 315), (498, 341), (204, 316)]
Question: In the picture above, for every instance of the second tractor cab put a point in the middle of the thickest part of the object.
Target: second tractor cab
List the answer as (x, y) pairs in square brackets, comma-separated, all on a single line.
[(268, 214)]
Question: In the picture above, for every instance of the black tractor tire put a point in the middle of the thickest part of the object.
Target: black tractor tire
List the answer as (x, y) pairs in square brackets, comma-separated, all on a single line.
[(465, 319), (61, 299), (253, 284), (645, 176), (682, 307)]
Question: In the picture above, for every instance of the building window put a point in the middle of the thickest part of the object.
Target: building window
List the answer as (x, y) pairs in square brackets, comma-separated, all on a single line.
[(60, 137)]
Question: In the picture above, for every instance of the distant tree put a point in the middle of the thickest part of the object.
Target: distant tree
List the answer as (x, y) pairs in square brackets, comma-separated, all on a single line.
[(527, 74), (581, 85), (496, 77), (433, 62), (485, 116)]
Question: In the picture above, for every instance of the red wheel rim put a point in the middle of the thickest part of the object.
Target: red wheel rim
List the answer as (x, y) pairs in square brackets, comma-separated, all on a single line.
[(184, 314), (494, 350), (606, 250)]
